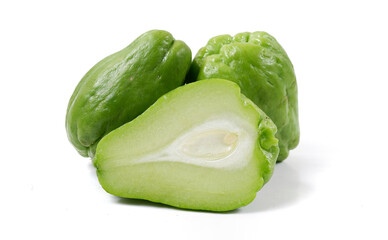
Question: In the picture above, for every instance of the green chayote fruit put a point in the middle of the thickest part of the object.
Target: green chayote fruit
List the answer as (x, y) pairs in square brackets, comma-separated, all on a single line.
[(219, 151), (123, 85), (265, 74)]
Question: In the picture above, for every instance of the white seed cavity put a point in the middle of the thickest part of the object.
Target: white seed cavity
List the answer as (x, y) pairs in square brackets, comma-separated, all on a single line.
[(225, 142), (210, 145)]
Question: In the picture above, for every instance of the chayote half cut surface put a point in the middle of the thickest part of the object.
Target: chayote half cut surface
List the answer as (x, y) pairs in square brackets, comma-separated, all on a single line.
[(201, 146)]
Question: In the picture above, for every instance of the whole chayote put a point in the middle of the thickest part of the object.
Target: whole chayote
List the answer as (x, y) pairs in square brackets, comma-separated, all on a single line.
[(265, 74), (123, 85)]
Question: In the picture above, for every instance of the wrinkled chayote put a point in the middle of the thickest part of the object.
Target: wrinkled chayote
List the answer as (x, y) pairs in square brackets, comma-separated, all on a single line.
[(265, 74)]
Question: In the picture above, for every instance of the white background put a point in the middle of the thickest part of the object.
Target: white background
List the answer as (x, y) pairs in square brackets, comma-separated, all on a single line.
[(333, 186)]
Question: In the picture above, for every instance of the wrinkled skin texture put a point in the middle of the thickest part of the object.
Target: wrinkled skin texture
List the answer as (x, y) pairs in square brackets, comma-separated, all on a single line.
[(123, 85), (262, 69)]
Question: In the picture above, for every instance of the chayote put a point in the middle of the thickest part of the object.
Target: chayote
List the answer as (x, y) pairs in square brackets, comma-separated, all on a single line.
[(123, 85), (219, 151), (265, 74)]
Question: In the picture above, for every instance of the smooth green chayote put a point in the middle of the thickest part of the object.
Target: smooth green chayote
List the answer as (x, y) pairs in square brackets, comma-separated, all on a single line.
[(265, 74), (123, 85)]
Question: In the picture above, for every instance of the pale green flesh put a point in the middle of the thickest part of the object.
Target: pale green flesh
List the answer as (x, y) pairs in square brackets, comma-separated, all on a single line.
[(196, 147), (218, 143)]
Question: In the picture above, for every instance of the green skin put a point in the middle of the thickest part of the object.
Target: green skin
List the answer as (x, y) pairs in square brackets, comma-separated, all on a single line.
[(262, 69), (123, 85), (187, 184)]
